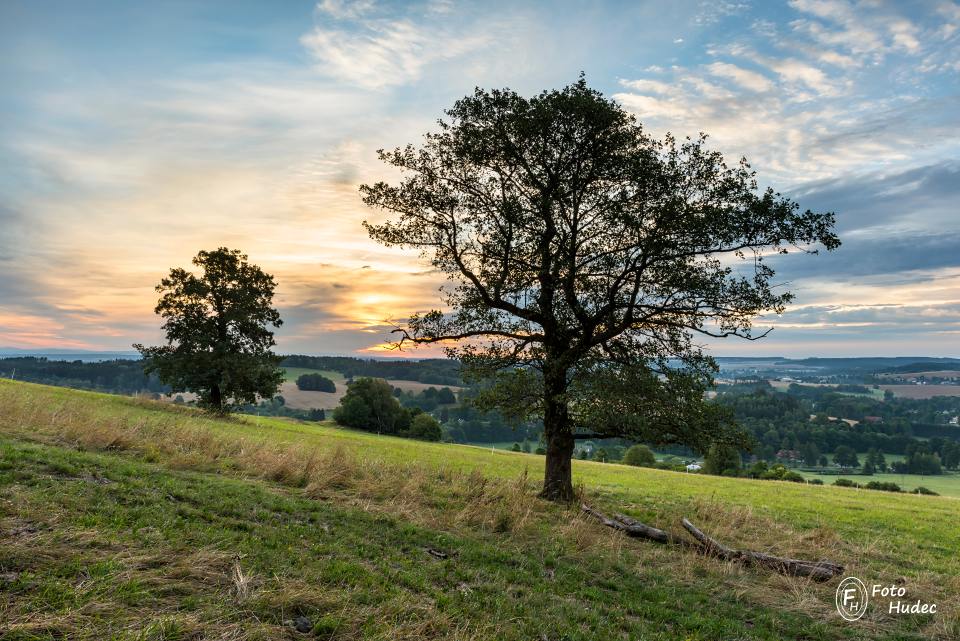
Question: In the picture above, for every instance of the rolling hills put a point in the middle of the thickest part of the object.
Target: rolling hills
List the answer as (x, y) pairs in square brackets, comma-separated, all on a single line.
[(127, 519)]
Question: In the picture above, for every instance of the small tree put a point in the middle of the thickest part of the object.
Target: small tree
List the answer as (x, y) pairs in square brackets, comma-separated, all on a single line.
[(722, 459), (218, 337), (424, 427), (585, 256), (811, 453), (845, 456), (640, 456), (369, 405)]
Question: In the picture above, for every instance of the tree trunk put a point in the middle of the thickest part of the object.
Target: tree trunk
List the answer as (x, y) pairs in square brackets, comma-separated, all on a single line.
[(558, 476), (216, 398)]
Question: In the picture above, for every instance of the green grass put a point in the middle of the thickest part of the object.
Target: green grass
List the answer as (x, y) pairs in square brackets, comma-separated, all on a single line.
[(124, 519), (947, 484)]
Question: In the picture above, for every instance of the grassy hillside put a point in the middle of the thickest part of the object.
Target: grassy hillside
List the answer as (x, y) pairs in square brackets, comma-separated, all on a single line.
[(123, 519)]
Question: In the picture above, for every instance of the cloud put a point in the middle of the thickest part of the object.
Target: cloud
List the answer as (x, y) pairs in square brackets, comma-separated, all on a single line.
[(917, 200), (710, 12), (794, 72), (745, 78), (345, 8), (376, 52), (866, 30)]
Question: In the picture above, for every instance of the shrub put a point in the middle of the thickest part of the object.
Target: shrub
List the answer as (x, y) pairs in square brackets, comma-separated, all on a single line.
[(639, 456), (882, 486), (793, 477), (775, 473), (815, 482), (425, 428), (923, 490), (757, 470), (845, 483)]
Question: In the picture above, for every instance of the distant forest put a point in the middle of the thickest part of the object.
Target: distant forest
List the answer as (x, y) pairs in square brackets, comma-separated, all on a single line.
[(127, 377), (122, 376), (798, 424)]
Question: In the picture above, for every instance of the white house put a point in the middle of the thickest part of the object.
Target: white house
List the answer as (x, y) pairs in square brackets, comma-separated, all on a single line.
[(694, 467)]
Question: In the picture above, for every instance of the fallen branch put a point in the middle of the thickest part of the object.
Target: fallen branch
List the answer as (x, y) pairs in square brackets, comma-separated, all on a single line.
[(630, 527), (706, 545), (816, 570)]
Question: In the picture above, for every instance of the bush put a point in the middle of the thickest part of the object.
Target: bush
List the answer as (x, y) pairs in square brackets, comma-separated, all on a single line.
[(445, 396), (639, 456), (315, 383), (923, 490), (815, 482), (845, 483), (774, 473), (793, 477), (425, 428), (757, 470), (882, 486)]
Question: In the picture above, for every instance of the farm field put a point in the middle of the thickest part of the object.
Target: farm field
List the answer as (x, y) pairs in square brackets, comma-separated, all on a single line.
[(922, 391), (937, 373), (947, 484), (901, 390), (304, 400), (782, 386), (161, 523)]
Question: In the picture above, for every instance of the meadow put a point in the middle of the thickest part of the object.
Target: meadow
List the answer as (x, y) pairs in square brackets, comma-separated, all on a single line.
[(129, 519)]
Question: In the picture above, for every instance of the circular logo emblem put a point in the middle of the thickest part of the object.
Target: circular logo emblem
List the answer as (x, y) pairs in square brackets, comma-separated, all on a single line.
[(851, 598)]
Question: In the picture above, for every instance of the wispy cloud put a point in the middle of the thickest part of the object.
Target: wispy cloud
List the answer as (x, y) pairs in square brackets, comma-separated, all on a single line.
[(361, 45), (744, 77)]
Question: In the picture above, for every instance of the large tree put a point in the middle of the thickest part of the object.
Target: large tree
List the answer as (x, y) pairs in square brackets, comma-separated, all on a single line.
[(218, 332), (585, 258)]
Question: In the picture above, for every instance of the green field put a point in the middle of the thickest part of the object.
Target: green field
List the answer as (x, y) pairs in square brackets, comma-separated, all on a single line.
[(126, 519), (293, 373), (945, 484)]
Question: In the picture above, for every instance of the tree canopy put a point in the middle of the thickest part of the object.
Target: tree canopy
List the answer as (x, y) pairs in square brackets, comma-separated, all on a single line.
[(315, 383), (217, 326), (584, 259)]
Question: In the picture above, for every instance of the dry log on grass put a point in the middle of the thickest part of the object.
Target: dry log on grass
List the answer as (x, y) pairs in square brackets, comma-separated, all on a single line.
[(816, 570), (630, 527)]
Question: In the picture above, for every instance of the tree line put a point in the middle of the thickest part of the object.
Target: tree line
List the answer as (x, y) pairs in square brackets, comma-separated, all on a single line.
[(121, 376)]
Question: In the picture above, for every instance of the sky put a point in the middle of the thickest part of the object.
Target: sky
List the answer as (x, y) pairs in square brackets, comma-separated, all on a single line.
[(134, 134)]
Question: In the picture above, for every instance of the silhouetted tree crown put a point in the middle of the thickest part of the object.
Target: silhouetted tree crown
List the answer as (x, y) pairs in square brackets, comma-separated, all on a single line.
[(217, 325), (584, 257)]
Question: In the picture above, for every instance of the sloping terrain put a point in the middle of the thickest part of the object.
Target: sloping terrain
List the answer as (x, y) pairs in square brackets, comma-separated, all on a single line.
[(123, 519)]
